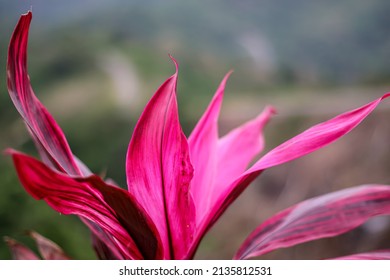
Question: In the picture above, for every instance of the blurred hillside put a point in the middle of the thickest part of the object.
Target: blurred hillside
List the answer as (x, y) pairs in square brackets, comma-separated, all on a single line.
[(95, 64), (343, 41)]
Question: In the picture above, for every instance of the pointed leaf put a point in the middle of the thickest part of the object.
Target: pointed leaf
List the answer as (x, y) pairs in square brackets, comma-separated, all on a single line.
[(323, 216), (111, 208), (19, 251), (159, 170), (47, 135), (48, 249), (375, 255), (41, 124), (316, 137), (308, 141), (203, 143), (237, 149)]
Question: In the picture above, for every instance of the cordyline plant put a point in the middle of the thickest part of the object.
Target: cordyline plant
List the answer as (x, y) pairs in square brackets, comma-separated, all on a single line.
[(178, 187)]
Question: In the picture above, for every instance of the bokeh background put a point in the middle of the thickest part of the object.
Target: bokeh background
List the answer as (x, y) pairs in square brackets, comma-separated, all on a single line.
[(95, 64)]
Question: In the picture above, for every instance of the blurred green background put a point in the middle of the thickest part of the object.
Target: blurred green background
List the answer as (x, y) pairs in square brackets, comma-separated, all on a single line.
[(95, 64)]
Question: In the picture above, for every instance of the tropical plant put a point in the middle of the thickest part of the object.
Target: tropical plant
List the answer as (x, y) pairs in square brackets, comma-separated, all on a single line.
[(178, 187)]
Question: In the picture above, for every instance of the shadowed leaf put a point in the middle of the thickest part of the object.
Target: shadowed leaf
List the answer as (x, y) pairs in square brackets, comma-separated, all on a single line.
[(19, 251), (110, 207), (48, 249)]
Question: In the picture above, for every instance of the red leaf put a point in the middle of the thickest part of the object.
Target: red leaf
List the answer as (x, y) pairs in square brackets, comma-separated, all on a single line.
[(41, 124), (46, 134), (111, 208)]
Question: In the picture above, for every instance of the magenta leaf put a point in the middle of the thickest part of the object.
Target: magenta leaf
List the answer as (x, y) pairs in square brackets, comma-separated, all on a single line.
[(159, 170), (218, 162), (308, 141), (111, 208), (46, 134), (19, 251), (375, 255), (237, 149), (203, 143), (41, 124), (324, 216), (177, 189)]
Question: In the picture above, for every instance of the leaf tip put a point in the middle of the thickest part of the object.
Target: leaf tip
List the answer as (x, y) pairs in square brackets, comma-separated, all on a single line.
[(8, 240), (9, 152), (174, 62), (386, 95), (226, 78), (271, 109), (28, 14)]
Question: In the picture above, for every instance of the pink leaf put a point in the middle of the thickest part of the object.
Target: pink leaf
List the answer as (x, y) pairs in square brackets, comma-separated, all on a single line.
[(324, 216), (159, 170), (203, 143), (375, 255), (111, 208), (41, 124), (237, 149), (19, 251), (46, 134), (48, 249), (308, 141)]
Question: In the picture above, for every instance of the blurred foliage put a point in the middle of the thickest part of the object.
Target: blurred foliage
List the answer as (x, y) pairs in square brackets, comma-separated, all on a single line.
[(274, 46)]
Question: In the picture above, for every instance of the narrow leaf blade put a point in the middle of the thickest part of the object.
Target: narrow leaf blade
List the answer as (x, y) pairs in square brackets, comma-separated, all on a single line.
[(203, 143), (324, 216), (307, 142), (41, 124)]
